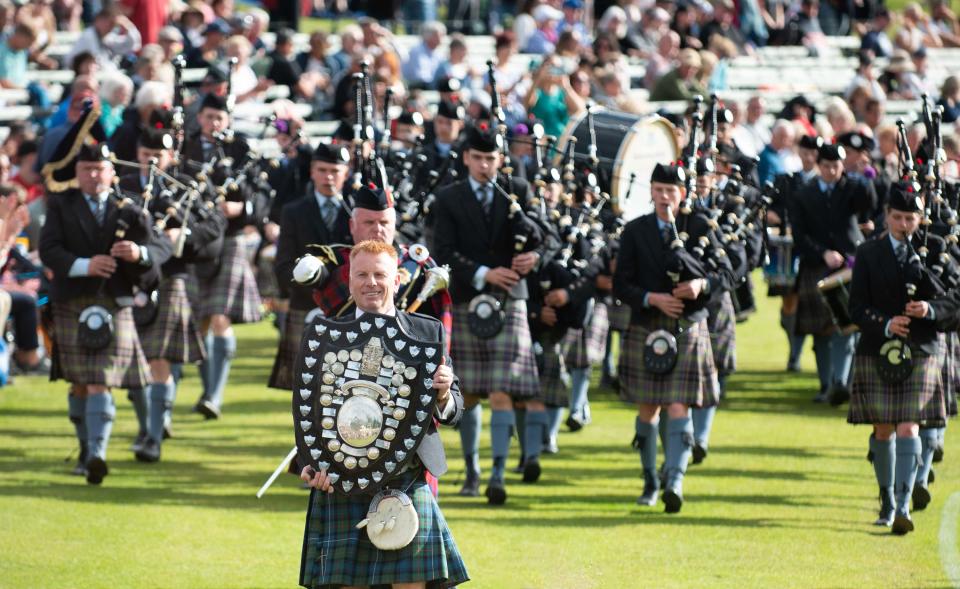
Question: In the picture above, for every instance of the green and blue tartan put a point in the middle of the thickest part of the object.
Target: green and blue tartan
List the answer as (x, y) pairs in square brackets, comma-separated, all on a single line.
[(813, 314), (503, 363), (552, 370), (585, 347), (233, 290), (174, 335), (336, 553), (283, 364), (722, 323), (919, 399), (121, 364), (693, 381), (619, 315)]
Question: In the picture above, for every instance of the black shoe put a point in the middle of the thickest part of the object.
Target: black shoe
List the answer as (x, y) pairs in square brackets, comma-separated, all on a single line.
[(471, 486), (96, 470), (839, 395), (921, 497), (793, 366), (531, 470), (167, 432), (518, 469), (574, 424), (80, 470), (821, 397), (931, 477), (650, 489), (150, 452), (207, 409), (138, 443), (938, 454), (699, 453), (496, 493), (902, 525), (672, 501), (887, 510)]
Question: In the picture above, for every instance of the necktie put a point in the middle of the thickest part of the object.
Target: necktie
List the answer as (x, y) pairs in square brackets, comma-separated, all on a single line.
[(329, 213), (486, 201), (901, 253), (666, 234), (98, 208)]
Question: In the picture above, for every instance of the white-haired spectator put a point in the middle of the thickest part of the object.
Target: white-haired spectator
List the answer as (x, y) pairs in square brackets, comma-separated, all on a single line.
[(256, 22), (420, 67), (351, 41), (614, 95), (150, 66), (664, 60), (116, 90), (839, 115), (752, 135), (245, 84), (111, 37), (773, 157), (171, 40), (152, 96)]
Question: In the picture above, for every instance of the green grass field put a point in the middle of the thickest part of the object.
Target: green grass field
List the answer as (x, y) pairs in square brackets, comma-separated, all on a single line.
[(785, 498)]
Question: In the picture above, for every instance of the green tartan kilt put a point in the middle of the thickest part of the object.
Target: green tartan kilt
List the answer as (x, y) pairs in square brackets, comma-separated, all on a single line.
[(121, 364), (693, 381), (919, 399), (174, 335), (233, 290), (618, 315), (722, 323), (585, 347), (503, 363), (283, 364), (552, 368), (813, 314), (336, 553)]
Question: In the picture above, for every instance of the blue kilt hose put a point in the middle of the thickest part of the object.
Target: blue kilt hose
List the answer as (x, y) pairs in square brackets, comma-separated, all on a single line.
[(813, 314), (585, 347), (722, 323), (121, 364), (919, 399), (174, 335), (282, 375), (503, 363), (336, 553), (552, 370), (232, 291), (693, 381)]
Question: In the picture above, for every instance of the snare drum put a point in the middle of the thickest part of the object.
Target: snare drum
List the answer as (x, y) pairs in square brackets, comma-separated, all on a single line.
[(835, 290), (783, 265)]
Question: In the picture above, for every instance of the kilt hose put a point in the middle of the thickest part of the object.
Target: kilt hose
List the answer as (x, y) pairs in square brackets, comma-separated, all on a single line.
[(233, 290), (919, 399), (722, 324), (813, 314), (693, 381), (585, 347), (174, 335), (121, 364), (504, 363), (336, 553), (283, 364), (552, 371)]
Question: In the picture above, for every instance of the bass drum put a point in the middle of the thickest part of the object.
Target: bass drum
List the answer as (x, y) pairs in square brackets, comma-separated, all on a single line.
[(628, 147)]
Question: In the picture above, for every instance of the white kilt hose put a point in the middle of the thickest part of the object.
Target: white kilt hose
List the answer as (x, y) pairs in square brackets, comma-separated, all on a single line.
[(722, 323), (919, 399), (174, 335), (693, 381), (585, 347), (232, 291), (504, 363), (282, 375), (121, 364)]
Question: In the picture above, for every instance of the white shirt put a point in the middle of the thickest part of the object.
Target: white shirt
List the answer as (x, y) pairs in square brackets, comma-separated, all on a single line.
[(104, 50)]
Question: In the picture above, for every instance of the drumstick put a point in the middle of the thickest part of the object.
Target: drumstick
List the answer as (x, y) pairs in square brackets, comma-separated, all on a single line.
[(280, 468)]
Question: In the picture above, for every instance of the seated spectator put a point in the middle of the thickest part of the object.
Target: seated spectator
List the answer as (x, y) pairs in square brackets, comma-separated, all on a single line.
[(152, 96), (919, 81), (950, 99), (873, 114), (27, 177), (724, 24), (686, 25), (315, 59), (351, 40), (895, 78), (14, 217), (245, 83), (614, 96), (285, 70), (876, 40), (751, 135), (725, 50), (866, 76), (420, 68), (116, 90), (573, 22), (256, 22), (110, 38), (663, 60), (192, 25), (211, 50), (773, 157), (839, 116), (544, 40), (681, 83), (457, 67), (804, 28), (14, 54), (916, 30), (524, 25), (944, 21), (170, 39), (17, 133)]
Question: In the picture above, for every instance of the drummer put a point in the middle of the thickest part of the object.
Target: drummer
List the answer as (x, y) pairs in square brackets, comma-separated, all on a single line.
[(826, 216)]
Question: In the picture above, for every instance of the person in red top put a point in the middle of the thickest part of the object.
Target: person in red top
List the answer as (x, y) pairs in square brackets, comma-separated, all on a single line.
[(148, 16), (27, 177)]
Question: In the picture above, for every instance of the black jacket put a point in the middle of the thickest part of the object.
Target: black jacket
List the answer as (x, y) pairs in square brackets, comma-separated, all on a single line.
[(301, 225), (878, 293), (463, 239), (71, 231), (824, 222)]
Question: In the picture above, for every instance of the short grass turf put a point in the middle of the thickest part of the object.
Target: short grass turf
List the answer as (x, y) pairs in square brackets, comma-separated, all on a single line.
[(785, 498)]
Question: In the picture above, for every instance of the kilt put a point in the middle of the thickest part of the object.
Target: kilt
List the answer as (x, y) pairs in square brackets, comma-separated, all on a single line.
[(586, 347), (722, 323), (693, 381), (336, 553), (233, 290), (174, 335), (618, 315), (121, 364), (504, 363), (919, 399), (813, 314), (951, 371), (282, 375), (552, 370)]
